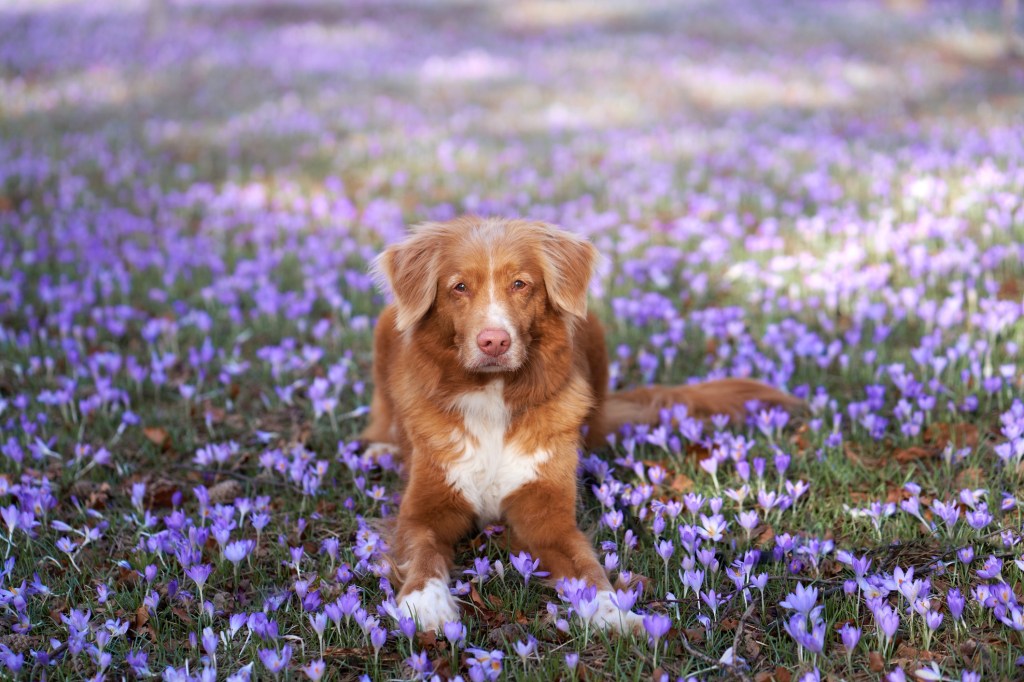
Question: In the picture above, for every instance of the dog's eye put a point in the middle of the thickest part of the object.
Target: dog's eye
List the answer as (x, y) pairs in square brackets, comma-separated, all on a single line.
[(461, 288), (518, 284)]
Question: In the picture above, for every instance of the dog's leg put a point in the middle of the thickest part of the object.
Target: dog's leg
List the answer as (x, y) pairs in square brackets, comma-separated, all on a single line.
[(429, 524), (543, 517)]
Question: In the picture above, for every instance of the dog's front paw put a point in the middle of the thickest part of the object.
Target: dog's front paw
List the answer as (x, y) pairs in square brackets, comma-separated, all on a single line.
[(376, 450), (431, 607), (608, 616)]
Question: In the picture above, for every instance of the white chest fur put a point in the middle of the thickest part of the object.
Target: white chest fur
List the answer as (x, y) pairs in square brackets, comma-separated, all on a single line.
[(489, 469)]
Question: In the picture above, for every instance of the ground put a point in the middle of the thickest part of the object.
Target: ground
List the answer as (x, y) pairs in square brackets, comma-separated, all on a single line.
[(824, 196)]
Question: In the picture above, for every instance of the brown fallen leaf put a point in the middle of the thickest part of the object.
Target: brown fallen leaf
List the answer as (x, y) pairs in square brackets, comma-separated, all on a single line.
[(492, 616), (782, 674), (1009, 289), (474, 595), (127, 577), (751, 646), (970, 477), (427, 640), (909, 654), (765, 536), (94, 495), (875, 662), (681, 483), (855, 457), (156, 435), (361, 654), (325, 507), (98, 498), (182, 615), (160, 494), (442, 667), (225, 492), (913, 454), (694, 635), (941, 434)]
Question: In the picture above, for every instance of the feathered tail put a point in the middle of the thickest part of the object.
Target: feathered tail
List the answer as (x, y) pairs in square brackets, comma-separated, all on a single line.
[(722, 396)]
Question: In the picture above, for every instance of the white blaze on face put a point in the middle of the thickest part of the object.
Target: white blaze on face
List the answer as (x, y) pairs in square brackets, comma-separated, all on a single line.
[(496, 315)]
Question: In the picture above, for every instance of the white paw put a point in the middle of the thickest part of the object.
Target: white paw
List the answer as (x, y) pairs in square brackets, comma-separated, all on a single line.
[(432, 606), (609, 617), (375, 450)]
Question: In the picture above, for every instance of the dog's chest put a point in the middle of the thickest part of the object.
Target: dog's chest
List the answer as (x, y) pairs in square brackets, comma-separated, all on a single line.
[(490, 468)]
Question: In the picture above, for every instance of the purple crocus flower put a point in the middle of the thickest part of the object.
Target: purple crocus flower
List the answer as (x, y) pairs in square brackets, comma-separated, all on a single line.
[(276, 661)]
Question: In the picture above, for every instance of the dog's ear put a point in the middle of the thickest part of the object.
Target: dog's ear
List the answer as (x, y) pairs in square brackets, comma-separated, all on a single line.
[(568, 262), (409, 270)]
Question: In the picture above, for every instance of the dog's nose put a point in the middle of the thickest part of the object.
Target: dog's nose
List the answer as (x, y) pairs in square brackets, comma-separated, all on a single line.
[(493, 341)]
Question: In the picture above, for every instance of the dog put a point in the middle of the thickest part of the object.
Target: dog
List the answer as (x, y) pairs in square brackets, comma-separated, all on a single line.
[(487, 370)]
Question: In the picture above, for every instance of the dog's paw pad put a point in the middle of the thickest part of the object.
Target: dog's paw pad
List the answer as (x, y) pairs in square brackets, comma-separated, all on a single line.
[(432, 606)]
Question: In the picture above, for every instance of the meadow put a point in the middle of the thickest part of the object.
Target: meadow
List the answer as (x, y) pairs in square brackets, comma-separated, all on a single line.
[(827, 196)]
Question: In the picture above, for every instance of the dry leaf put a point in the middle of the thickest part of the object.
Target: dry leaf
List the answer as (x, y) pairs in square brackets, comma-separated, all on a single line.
[(782, 674), (911, 654), (694, 635), (875, 662), (475, 596), (94, 495), (226, 491), (853, 456), (751, 646), (161, 494), (913, 454), (427, 640), (442, 667), (960, 435), (325, 507), (765, 537), (970, 477), (127, 577), (681, 483), (182, 614), (98, 497), (156, 435), (1009, 289)]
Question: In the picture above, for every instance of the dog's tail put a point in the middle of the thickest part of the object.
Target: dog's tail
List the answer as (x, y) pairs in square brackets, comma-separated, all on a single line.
[(723, 396)]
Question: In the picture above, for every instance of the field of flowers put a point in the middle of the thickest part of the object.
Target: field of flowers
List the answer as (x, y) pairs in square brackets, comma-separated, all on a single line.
[(828, 196)]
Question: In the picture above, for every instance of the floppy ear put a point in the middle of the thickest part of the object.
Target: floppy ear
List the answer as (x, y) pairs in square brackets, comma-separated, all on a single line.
[(409, 270), (568, 263)]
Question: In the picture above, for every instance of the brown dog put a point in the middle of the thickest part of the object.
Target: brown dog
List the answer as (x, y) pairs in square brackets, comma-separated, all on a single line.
[(486, 367)]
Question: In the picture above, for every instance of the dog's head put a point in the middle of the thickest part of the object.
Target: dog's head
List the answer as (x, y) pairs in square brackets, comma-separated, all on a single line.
[(487, 284)]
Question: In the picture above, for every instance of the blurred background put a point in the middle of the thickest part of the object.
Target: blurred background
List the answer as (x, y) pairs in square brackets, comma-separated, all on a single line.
[(492, 106)]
